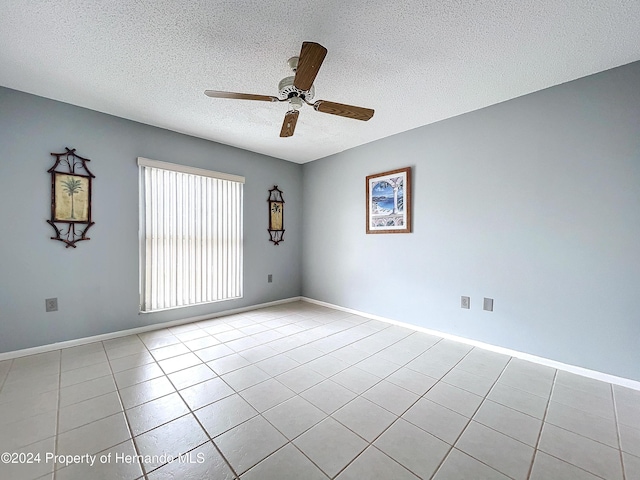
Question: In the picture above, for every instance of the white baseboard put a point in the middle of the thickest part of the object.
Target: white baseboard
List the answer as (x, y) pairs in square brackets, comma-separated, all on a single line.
[(133, 331), (585, 372)]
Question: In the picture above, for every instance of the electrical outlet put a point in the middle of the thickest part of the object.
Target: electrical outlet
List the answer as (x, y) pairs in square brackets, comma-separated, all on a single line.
[(465, 302), (270, 278), (488, 304), (51, 305)]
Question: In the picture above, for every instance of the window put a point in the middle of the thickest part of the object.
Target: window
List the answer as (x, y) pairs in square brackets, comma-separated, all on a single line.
[(190, 236)]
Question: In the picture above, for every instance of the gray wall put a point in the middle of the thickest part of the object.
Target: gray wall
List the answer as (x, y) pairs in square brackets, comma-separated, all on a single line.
[(97, 283), (534, 202)]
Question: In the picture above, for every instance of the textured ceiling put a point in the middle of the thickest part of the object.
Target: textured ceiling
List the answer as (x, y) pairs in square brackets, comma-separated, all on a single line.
[(415, 62)]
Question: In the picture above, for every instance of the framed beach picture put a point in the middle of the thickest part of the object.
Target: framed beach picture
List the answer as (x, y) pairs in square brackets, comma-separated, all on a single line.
[(389, 202)]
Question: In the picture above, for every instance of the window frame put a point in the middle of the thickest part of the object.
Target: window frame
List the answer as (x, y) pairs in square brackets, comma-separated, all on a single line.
[(142, 227)]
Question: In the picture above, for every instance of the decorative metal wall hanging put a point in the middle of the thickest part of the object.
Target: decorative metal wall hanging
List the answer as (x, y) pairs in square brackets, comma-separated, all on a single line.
[(70, 198), (276, 215)]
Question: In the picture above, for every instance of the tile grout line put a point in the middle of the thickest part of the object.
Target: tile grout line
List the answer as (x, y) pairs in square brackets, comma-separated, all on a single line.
[(304, 454), (566, 429), (420, 397), (108, 360), (326, 378), (298, 393), (330, 415), (260, 414), (201, 363), (544, 417), (583, 436), (126, 418), (4, 379), (238, 352), (615, 416), (191, 412), (290, 442), (371, 445), (55, 443), (333, 333), (257, 320), (471, 419), (580, 371), (323, 355)]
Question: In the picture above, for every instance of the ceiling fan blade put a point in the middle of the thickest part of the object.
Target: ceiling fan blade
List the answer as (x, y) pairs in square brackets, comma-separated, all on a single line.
[(240, 96), (349, 111), (289, 124), (311, 58)]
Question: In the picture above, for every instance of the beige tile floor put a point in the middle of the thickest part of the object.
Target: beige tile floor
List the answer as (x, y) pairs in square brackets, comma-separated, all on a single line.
[(299, 391)]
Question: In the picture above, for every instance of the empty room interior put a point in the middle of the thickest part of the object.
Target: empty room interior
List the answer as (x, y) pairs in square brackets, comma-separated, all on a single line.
[(320, 240)]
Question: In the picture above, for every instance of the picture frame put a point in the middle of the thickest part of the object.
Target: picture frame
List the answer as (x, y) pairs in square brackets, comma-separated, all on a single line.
[(388, 202), (70, 197), (276, 215)]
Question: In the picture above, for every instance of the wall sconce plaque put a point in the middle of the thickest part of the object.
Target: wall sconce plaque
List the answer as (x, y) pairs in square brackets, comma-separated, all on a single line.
[(276, 215), (70, 197)]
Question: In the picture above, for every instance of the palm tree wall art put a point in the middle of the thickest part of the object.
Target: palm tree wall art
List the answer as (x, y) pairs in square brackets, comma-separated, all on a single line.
[(70, 197), (71, 186)]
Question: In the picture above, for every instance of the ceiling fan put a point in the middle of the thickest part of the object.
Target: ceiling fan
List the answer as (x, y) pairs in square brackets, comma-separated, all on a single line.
[(299, 89)]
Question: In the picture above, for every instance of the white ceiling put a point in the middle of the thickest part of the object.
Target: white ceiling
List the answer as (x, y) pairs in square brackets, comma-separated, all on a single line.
[(415, 62)]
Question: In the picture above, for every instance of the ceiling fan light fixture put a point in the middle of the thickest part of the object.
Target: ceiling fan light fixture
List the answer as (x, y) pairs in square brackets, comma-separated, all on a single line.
[(293, 63)]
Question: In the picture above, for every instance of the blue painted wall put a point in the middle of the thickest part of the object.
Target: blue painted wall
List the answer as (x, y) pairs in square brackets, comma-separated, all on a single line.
[(534, 202), (97, 283)]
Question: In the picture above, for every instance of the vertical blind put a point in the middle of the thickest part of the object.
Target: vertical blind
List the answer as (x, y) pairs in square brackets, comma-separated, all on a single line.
[(192, 236)]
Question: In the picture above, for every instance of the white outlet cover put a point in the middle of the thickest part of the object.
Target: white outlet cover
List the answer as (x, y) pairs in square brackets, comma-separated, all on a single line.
[(465, 302)]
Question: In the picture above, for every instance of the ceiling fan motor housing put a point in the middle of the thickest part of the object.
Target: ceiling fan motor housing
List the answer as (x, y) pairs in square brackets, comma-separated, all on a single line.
[(288, 90)]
